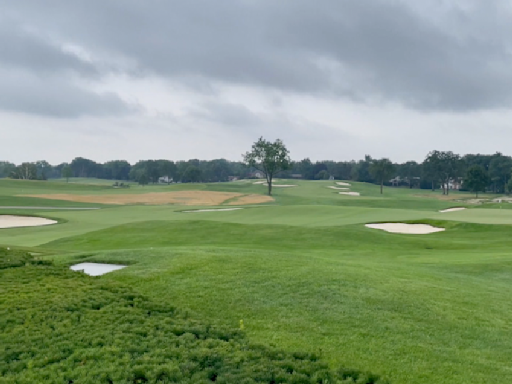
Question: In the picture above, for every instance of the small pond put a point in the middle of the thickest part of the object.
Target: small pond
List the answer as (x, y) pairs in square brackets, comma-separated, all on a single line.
[(96, 269)]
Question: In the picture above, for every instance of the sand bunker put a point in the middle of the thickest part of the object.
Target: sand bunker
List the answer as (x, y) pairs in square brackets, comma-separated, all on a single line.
[(350, 193), (159, 198), (502, 199), (339, 188), (277, 185), (8, 221), (343, 184), (410, 229), (452, 210), (213, 210), (260, 182)]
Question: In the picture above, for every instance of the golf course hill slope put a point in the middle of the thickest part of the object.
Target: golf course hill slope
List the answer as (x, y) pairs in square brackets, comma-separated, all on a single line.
[(202, 289), (104, 332)]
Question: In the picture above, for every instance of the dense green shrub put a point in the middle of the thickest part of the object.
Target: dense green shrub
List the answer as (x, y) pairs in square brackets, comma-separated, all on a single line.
[(10, 258), (59, 326)]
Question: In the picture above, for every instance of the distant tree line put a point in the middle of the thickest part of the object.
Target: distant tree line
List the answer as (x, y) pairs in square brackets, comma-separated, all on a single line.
[(144, 171), (443, 170)]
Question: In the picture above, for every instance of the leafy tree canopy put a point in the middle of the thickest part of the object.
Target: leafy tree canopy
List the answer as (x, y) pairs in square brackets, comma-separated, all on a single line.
[(476, 179), (269, 158), (381, 170)]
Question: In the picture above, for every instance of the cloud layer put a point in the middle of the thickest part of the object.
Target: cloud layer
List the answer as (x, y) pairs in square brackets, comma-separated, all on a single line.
[(239, 67)]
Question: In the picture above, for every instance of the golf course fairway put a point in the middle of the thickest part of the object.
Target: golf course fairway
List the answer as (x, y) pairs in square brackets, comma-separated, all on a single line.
[(298, 272)]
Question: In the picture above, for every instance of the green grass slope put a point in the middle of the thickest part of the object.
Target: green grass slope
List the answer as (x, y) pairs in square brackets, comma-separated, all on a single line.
[(103, 332), (305, 273), (398, 304)]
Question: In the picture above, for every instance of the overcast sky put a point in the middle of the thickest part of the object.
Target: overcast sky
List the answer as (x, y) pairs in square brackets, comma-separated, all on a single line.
[(334, 79)]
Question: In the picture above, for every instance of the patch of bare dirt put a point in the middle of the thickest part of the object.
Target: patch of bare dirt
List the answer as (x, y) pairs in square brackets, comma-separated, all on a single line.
[(454, 197), (251, 199), (473, 201), (161, 198)]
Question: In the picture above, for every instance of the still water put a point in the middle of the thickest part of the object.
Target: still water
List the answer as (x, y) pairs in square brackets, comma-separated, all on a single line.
[(96, 269)]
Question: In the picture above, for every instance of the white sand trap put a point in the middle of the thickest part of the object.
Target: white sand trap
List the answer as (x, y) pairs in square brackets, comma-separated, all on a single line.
[(276, 185), (213, 210), (409, 229), (502, 199), (96, 269), (343, 184), (452, 210), (9, 221), (350, 193), (339, 188)]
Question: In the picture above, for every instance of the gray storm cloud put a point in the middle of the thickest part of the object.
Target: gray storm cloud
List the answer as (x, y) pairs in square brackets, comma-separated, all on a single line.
[(333, 78), (364, 50)]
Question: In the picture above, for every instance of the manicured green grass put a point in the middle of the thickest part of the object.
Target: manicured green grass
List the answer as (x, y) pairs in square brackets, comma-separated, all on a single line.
[(394, 304), (305, 273), (104, 332), (91, 181)]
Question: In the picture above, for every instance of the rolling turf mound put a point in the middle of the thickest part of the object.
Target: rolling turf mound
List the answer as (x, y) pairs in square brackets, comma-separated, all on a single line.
[(83, 330), (303, 273)]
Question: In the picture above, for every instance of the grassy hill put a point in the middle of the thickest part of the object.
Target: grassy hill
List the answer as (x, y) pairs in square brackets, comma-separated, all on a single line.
[(305, 274)]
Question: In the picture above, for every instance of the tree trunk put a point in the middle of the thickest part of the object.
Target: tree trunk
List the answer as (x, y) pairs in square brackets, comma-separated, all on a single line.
[(445, 187), (269, 182), (433, 186)]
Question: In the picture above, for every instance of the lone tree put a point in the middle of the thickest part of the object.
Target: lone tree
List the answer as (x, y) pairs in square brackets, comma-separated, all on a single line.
[(269, 158), (381, 170), (476, 179), (143, 179), (67, 172)]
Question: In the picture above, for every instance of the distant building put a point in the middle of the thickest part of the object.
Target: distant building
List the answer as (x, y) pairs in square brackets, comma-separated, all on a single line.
[(257, 175), (331, 177), (396, 181), (455, 184), (410, 182), (165, 180)]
